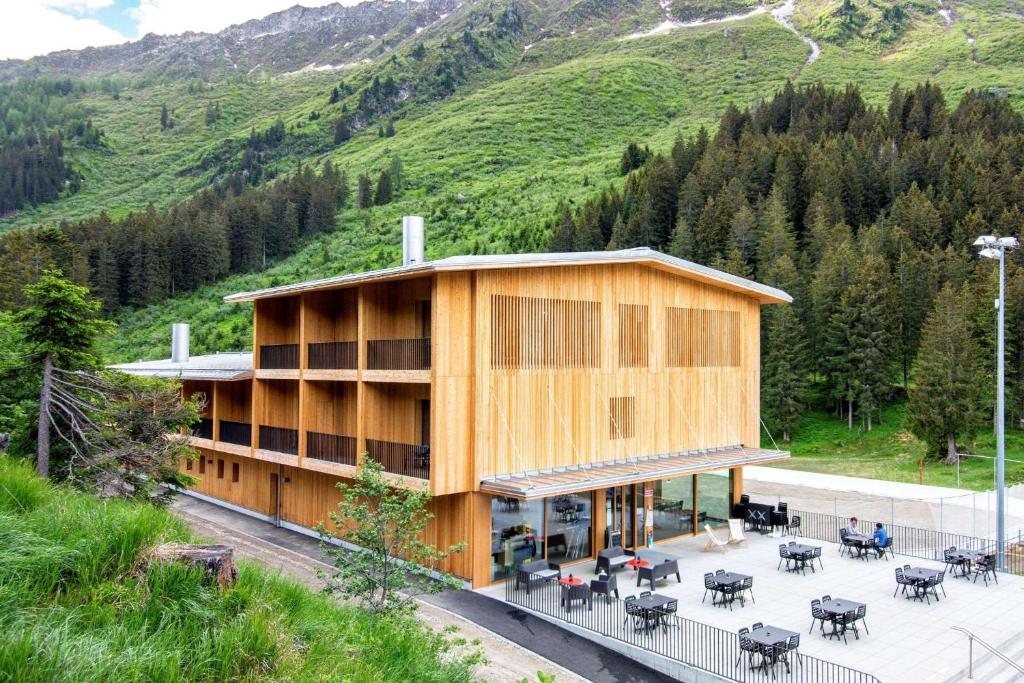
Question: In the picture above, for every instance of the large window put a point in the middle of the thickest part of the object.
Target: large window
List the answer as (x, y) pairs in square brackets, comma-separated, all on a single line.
[(517, 534), (714, 497), (569, 522), (673, 507)]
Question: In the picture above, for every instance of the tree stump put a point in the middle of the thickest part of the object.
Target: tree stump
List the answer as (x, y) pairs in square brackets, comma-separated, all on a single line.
[(216, 561)]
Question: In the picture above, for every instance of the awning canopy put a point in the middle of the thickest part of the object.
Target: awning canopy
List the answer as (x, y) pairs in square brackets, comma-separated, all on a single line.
[(561, 480)]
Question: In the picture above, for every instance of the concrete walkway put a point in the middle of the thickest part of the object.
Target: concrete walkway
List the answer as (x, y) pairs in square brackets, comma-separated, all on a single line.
[(517, 645)]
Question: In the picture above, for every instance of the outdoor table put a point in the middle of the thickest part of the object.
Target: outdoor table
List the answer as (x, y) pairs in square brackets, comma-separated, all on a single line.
[(729, 579), (918, 575), (861, 542), (839, 607), (771, 636), (967, 557), (800, 553), (637, 563), (649, 605), (571, 581)]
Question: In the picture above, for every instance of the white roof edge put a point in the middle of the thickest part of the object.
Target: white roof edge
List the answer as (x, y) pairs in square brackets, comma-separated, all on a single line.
[(226, 366), (636, 255)]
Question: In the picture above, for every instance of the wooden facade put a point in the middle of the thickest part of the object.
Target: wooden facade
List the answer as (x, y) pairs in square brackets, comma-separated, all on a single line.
[(456, 376)]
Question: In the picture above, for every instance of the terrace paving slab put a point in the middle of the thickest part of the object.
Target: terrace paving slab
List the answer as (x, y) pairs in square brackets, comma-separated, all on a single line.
[(908, 640)]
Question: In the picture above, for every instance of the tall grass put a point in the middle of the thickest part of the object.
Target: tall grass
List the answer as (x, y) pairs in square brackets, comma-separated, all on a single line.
[(76, 604)]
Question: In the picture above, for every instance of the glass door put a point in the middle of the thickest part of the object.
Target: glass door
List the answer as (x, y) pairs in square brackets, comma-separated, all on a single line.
[(622, 514)]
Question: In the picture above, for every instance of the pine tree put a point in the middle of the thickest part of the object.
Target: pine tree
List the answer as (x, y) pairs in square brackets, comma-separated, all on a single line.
[(342, 131), (588, 229), (165, 120), (396, 171), (384, 193), (563, 238), (364, 192), (783, 370), (389, 130), (870, 317), (681, 245), (946, 395)]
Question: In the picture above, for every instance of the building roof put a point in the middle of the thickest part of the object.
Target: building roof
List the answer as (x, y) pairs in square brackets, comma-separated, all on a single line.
[(225, 367), (577, 478), (645, 255)]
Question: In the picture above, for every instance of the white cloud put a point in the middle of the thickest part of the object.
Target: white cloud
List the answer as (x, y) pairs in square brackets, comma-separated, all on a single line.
[(35, 27), (177, 16)]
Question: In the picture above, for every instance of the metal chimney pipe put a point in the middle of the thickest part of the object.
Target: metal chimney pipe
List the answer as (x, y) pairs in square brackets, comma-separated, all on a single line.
[(412, 240), (179, 343)]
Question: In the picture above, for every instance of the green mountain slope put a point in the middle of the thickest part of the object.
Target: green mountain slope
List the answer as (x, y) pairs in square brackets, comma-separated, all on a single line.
[(488, 164)]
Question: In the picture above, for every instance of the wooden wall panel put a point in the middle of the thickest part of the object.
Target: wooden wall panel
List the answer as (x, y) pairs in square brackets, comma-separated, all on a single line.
[(330, 315), (391, 309), (393, 411), (542, 418), (331, 407), (234, 401), (251, 491), (277, 403), (278, 321)]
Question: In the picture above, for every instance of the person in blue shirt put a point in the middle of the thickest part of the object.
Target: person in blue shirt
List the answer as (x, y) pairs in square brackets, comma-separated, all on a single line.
[(881, 539)]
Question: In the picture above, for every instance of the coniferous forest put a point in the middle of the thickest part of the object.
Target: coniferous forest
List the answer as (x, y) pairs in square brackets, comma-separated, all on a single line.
[(867, 216)]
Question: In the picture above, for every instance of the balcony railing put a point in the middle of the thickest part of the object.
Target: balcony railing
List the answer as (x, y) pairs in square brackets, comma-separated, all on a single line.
[(342, 355), (411, 460), (398, 354), (280, 439), (279, 356), (204, 428), (331, 448), (238, 433)]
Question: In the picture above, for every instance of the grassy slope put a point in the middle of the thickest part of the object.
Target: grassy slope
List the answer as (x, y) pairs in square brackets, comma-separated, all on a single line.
[(75, 606), (824, 444)]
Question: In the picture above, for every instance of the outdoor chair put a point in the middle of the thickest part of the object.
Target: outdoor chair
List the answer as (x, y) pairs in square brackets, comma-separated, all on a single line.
[(794, 526), (658, 572), (953, 563), (612, 558), (714, 543), (784, 556), (983, 567), (826, 598), (768, 653), (757, 625), (844, 543), (710, 586), (901, 582), (571, 594), (817, 614), (667, 610), (605, 585), (633, 612), (645, 594), (747, 586), (792, 645), (816, 555), (538, 571), (930, 587), (860, 616), (736, 531), (886, 548), (841, 623), (746, 645)]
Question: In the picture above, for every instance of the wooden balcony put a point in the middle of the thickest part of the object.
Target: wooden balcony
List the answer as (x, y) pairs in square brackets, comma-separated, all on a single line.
[(279, 357), (204, 428), (409, 460), (398, 354), (341, 355), (331, 448), (280, 439), (238, 433)]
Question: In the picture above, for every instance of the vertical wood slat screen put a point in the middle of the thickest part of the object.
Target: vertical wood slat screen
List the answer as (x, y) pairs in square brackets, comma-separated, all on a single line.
[(701, 338), (622, 417), (534, 333), (633, 342)]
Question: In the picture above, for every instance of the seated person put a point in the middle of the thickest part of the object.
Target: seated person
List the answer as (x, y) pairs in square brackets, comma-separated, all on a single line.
[(881, 538), (851, 528)]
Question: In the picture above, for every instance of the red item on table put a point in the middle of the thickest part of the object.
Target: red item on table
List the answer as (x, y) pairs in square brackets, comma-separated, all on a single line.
[(638, 563), (571, 581)]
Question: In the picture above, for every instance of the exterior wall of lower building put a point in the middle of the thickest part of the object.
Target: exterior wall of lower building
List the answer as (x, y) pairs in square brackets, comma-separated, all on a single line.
[(306, 498)]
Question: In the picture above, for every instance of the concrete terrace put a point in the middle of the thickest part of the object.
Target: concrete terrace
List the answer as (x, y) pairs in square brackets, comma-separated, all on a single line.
[(909, 640)]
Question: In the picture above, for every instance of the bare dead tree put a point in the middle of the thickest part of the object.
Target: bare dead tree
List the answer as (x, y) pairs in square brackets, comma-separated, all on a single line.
[(125, 435)]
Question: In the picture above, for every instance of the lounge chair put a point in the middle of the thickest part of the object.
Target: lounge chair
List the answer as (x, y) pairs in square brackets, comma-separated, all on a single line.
[(612, 558), (736, 531), (538, 571), (714, 543)]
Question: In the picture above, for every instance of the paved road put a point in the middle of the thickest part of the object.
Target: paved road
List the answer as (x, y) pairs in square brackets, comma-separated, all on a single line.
[(517, 644)]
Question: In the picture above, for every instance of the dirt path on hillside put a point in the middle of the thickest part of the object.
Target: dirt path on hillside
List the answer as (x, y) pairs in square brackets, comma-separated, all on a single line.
[(507, 661)]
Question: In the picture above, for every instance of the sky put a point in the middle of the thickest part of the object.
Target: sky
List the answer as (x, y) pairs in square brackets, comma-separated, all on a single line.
[(36, 27)]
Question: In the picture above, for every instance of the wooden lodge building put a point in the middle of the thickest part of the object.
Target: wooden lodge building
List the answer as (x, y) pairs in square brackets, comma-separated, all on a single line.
[(545, 400)]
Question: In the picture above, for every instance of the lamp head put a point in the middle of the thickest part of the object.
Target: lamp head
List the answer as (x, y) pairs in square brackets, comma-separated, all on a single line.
[(984, 241), (989, 252), (1008, 242)]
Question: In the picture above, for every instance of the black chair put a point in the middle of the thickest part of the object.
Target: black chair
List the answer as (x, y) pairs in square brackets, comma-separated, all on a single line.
[(886, 548), (605, 585), (667, 610), (571, 594), (645, 594), (710, 586), (983, 567), (633, 612), (747, 586), (953, 563), (746, 645), (844, 543), (817, 614), (768, 657), (901, 581), (794, 525), (816, 555), (931, 585), (792, 645), (757, 625), (612, 558), (784, 556)]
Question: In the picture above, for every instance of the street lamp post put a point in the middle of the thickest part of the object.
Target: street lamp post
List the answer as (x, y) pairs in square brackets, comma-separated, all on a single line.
[(995, 248)]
